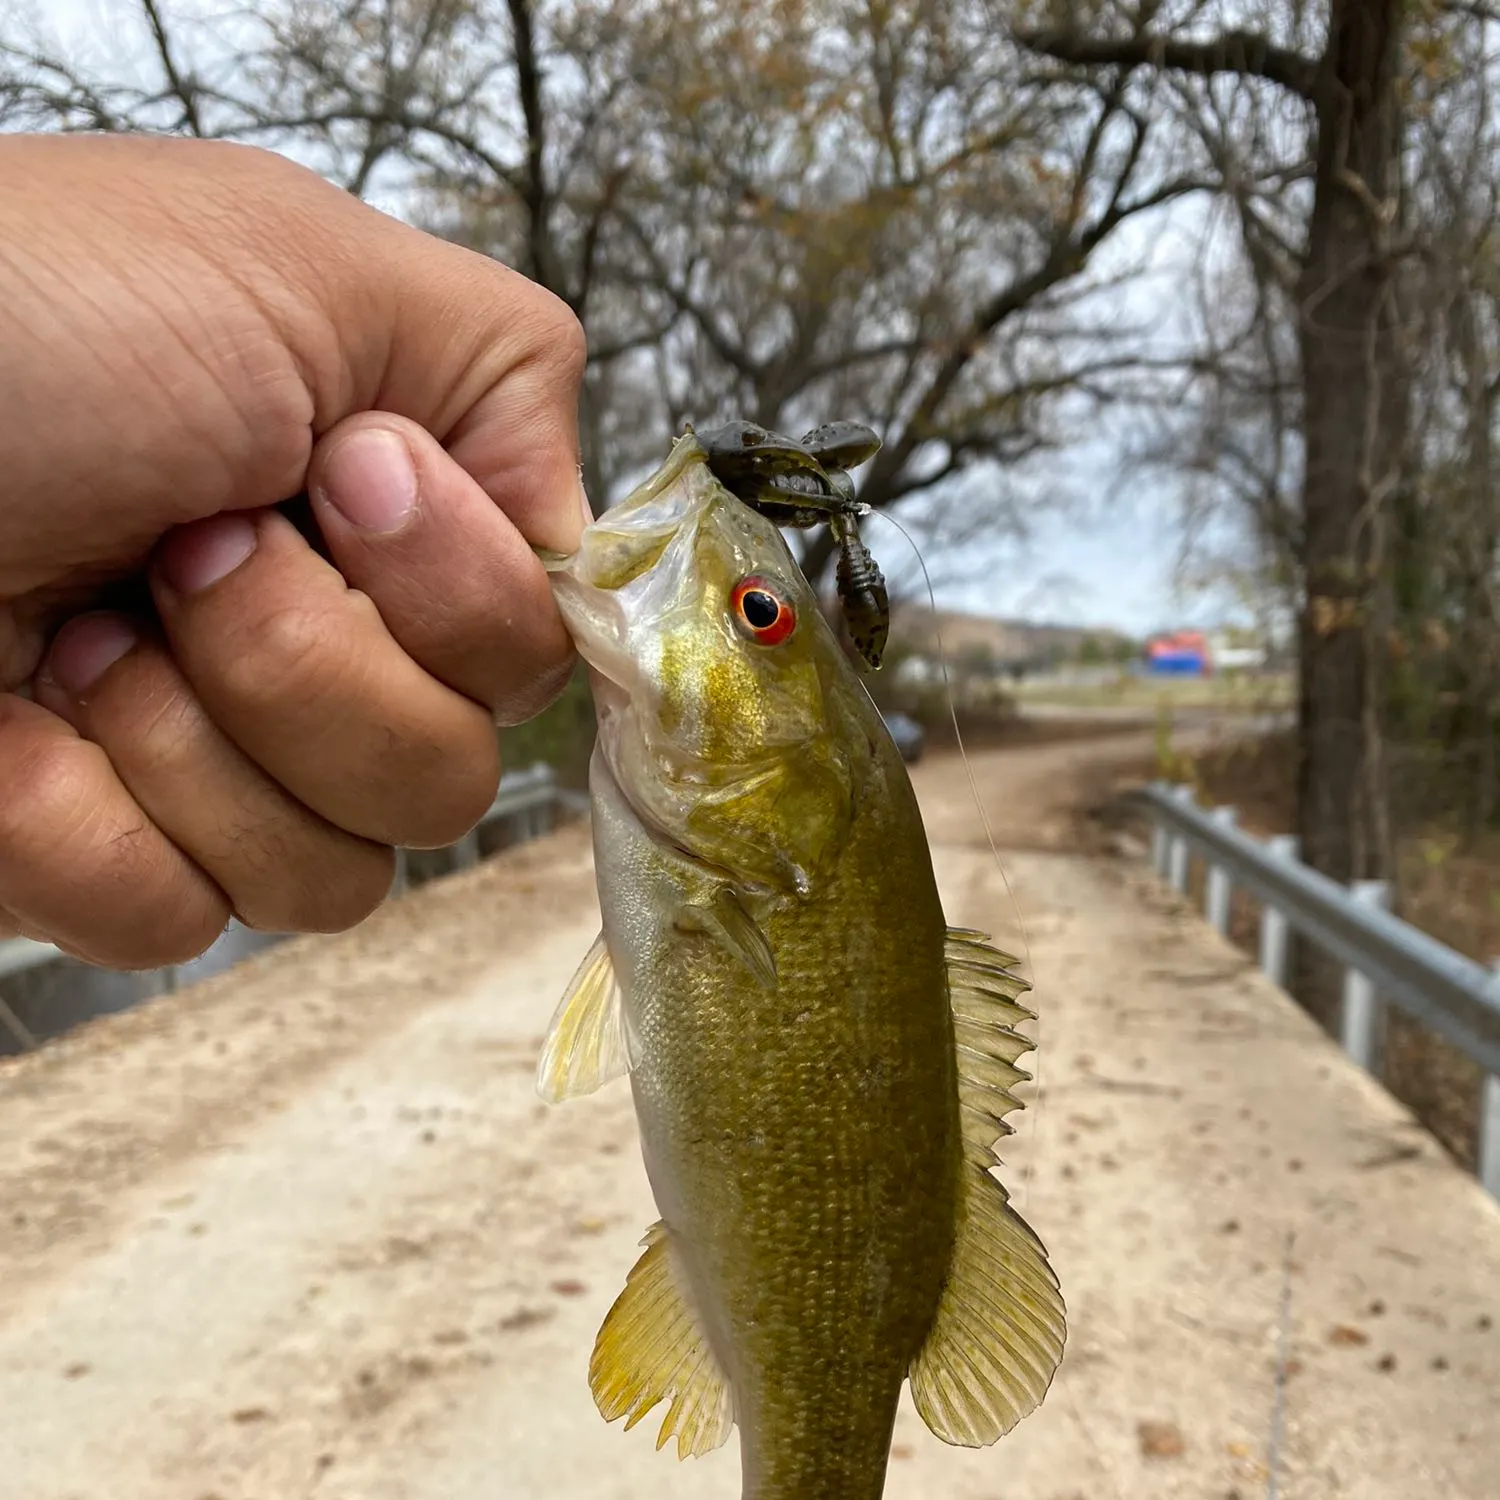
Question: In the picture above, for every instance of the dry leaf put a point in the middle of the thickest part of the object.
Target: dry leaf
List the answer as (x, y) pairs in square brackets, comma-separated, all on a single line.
[(1160, 1439)]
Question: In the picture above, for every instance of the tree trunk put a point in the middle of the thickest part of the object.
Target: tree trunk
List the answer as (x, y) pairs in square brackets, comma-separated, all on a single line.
[(1355, 395)]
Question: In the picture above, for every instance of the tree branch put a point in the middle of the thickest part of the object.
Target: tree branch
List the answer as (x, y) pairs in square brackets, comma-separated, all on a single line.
[(183, 89), (601, 352), (661, 280), (1241, 52)]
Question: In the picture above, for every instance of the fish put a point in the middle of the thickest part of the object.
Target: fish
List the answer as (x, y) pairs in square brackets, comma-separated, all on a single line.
[(820, 1065)]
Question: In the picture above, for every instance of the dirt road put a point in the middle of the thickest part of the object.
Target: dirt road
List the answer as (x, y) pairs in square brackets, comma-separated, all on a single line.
[(1034, 795), (306, 1231)]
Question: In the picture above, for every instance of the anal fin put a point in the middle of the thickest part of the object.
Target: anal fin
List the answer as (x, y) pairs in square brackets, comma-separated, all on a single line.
[(651, 1348), (587, 1043)]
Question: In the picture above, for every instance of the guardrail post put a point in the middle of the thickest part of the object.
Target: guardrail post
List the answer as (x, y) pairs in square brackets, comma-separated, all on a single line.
[(1359, 1023), (1160, 847), (1273, 923), (16, 1027), (466, 850), (1177, 871), (1489, 1126), (1218, 888)]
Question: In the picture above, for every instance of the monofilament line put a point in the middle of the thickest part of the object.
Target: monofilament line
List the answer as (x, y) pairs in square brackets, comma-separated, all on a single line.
[(1278, 1406), (984, 821)]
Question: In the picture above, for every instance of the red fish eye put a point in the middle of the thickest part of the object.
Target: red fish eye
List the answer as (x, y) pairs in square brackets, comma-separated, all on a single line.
[(761, 613)]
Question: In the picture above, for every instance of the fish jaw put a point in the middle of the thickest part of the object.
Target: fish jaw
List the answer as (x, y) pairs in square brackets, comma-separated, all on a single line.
[(735, 751)]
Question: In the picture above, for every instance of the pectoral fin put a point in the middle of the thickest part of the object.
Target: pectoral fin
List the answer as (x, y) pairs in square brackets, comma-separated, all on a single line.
[(651, 1349), (588, 1042), (998, 1336), (726, 921)]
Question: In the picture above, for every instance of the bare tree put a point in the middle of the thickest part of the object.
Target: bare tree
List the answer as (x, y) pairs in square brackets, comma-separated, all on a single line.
[(889, 212), (1342, 81), (873, 208)]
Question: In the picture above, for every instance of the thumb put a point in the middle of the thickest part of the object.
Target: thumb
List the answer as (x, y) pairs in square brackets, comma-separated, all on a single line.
[(385, 317)]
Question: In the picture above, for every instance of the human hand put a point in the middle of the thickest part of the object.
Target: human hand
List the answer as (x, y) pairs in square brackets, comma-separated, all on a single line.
[(191, 333)]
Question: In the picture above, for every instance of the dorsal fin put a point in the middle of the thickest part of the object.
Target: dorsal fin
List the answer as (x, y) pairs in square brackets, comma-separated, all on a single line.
[(998, 1336), (651, 1348), (983, 993), (587, 1043)]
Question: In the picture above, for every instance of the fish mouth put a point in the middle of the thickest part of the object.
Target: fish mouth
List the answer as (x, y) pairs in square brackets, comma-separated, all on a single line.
[(625, 566)]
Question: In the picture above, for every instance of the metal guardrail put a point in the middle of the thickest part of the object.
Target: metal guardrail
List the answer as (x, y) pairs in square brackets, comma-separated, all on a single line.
[(530, 797), (1386, 960), (17, 954)]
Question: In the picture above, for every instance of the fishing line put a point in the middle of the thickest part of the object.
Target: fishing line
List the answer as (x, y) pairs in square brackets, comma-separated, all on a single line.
[(984, 820), (1035, 1127)]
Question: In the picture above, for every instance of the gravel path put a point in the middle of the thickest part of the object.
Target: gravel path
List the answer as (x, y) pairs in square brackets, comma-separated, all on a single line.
[(306, 1231)]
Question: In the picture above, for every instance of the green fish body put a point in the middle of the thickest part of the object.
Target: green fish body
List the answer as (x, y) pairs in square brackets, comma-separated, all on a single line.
[(819, 1065)]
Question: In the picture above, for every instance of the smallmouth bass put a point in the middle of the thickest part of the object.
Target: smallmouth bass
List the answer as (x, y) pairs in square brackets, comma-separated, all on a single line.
[(820, 1065)]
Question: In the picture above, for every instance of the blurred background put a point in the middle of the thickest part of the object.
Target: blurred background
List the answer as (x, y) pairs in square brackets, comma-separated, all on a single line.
[(1180, 323), (1175, 409)]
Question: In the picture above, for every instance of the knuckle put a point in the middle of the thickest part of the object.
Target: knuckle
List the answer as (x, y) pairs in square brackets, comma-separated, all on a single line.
[(70, 834), (289, 659), (523, 699), (569, 346), (556, 339), (451, 797), (278, 437), (49, 789), (134, 871), (362, 885), (188, 935), (323, 899), (157, 724)]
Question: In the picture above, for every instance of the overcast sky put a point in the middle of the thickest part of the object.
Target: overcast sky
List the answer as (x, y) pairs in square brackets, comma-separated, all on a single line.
[(1106, 560)]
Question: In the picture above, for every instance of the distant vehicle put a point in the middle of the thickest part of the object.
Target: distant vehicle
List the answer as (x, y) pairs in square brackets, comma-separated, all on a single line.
[(908, 735)]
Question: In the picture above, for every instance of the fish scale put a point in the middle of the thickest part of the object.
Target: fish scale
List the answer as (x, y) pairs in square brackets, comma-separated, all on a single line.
[(820, 1066)]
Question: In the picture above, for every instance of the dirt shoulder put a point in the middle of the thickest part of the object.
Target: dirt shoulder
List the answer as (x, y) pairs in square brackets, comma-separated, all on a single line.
[(306, 1233), (1449, 887)]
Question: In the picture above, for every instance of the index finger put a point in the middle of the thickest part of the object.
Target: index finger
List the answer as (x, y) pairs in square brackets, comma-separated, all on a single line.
[(510, 419)]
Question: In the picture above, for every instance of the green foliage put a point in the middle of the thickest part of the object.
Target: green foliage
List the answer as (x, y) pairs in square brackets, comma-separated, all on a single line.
[(1172, 764)]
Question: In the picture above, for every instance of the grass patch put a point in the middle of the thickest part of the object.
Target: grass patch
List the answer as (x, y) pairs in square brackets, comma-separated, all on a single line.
[(1234, 694)]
